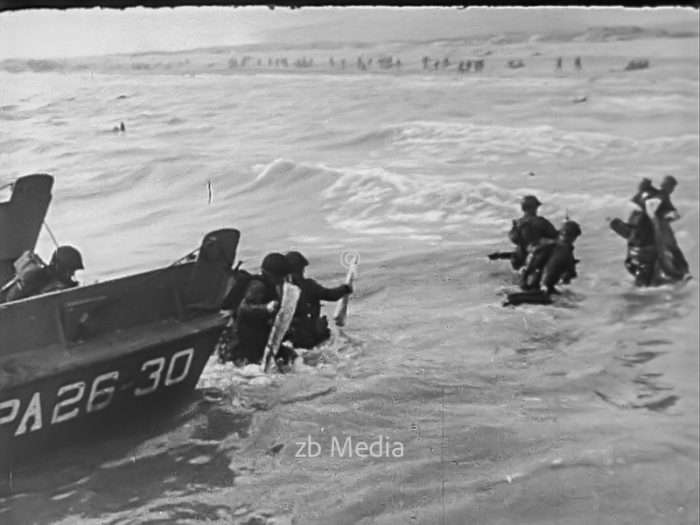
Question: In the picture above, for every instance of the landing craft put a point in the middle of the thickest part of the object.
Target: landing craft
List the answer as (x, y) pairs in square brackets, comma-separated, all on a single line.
[(75, 359)]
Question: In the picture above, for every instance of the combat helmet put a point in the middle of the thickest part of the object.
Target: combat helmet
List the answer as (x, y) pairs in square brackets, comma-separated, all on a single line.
[(276, 264), (67, 258), (529, 202), (669, 182), (570, 229), (296, 260)]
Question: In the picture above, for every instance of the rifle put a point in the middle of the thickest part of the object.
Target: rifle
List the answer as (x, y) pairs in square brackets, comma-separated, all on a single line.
[(497, 256)]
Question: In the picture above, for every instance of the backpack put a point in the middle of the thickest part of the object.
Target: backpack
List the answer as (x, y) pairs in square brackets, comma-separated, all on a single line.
[(238, 285), (27, 264), (30, 277), (237, 288)]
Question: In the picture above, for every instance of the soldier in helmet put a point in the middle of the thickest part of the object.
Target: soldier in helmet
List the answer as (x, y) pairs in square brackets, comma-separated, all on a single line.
[(309, 328), (552, 262), (652, 249), (666, 210), (255, 314), (672, 261), (528, 230), (39, 278)]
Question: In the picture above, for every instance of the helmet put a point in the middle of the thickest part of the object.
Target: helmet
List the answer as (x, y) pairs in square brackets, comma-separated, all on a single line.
[(571, 229), (296, 260), (67, 258), (645, 185), (529, 202), (669, 180), (276, 264)]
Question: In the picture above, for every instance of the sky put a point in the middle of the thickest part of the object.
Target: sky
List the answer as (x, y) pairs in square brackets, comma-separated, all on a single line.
[(46, 33)]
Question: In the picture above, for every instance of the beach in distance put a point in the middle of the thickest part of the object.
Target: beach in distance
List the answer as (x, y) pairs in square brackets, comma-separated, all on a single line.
[(608, 48), (434, 404)]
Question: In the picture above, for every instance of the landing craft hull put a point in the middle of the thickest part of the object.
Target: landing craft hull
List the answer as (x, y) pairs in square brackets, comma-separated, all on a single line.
[(79, 401), (75, 361)]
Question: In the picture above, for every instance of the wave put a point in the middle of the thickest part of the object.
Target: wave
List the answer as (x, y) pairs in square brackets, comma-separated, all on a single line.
[(374, 201), (381, 202), (493, 143)]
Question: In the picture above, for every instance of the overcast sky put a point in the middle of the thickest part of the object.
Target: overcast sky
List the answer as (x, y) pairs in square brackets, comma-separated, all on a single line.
[(83, 32)]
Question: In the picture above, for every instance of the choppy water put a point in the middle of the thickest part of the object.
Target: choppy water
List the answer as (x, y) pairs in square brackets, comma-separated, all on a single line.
[(577, 414)]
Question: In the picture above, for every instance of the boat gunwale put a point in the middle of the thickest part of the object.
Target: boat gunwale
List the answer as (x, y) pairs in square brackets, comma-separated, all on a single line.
[(22, 368)]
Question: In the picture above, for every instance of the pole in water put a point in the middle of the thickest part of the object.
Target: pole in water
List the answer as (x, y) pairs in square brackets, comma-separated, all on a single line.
[(211, 192)]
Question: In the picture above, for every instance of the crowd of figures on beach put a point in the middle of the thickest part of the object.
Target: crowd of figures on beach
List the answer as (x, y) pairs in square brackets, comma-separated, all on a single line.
[(389, 62), (445, 64), (384, 62)]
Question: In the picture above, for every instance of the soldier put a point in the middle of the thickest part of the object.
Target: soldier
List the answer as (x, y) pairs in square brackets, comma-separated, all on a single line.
[(528, 230)]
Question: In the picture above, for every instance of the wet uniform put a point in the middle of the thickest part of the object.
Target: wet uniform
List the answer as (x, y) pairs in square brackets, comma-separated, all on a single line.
[(526, 232), (675, 264), (549, 263), (308, 327), (642, 253), (253, 322)]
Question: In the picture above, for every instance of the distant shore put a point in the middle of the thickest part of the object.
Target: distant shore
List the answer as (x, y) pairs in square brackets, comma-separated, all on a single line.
[(446, 57)]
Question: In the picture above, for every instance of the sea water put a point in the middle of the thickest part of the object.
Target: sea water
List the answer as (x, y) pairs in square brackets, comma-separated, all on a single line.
[(446, 406)]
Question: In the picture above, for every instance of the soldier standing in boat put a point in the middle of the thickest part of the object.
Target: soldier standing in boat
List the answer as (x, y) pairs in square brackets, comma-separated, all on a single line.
[(308, 327), (35, 278)]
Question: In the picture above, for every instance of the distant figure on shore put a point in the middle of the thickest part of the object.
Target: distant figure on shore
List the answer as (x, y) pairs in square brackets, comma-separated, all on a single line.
[(119, 129), (369, 63), (436, 65), (577, 63), (342, 64), (398, 62), (468, 66), (445, 63), (478, 65), (425, 62), (632, 65), (559, 63)]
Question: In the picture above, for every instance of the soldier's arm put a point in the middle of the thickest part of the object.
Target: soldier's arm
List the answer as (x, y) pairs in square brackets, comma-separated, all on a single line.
[(253, 307), (317, 291)]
